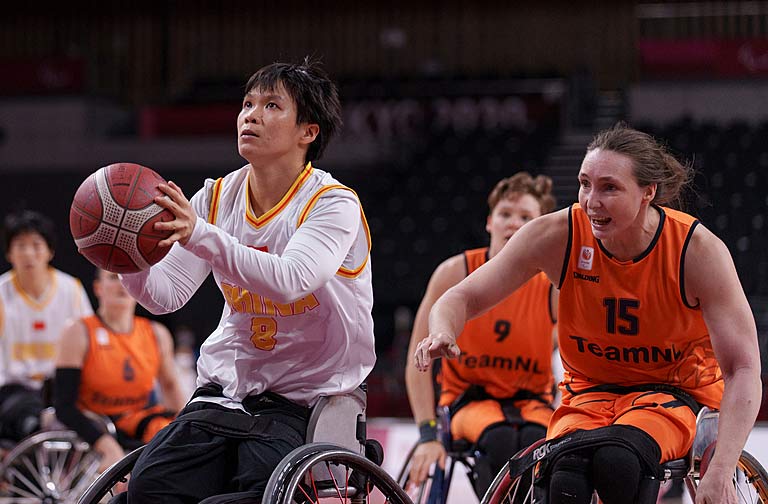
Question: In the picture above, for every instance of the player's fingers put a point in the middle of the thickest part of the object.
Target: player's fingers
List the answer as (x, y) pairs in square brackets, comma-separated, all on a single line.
[(422, 356), (441, 460), (167, 202), (420, 471), (170, 240), (173, 185), (173, 193), (413, 475)]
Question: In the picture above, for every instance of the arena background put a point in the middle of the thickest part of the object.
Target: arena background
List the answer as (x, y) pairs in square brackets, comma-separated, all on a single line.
[(441, 99)]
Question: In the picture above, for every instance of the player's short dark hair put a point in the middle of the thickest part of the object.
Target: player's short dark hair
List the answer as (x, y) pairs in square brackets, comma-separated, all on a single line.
[(26, 221), (315, 95)]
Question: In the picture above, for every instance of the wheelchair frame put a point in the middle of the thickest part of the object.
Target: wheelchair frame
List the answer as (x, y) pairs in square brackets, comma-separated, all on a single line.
[(51, 465), (335, 465), (750, 478)]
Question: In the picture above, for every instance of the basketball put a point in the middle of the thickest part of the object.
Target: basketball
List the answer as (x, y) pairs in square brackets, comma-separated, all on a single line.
[(112, 218)]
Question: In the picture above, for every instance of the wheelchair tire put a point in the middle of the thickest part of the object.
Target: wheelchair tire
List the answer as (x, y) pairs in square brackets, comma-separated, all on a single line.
[(116, 473), (750, 480), (49, 466), (336, 475)]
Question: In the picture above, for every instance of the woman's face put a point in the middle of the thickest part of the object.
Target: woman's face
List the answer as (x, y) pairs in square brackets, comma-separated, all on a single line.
[(509, 215), (29, 252), (609, 192)]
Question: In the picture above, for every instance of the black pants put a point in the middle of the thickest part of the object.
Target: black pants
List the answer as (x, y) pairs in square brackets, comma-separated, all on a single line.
[(210, 450)]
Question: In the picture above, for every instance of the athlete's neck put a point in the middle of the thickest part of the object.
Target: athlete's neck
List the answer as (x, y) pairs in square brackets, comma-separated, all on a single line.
[(268, 184), (35, 283), (637, 238), (117, 320)]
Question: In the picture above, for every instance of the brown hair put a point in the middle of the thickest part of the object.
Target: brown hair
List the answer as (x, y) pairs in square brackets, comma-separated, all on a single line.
[(652, 162), (540, 187)]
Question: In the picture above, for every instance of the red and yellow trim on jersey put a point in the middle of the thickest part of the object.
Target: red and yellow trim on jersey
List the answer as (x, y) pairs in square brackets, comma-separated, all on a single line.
[(213, 208), (258, 222), (33, 303), (345, 272)]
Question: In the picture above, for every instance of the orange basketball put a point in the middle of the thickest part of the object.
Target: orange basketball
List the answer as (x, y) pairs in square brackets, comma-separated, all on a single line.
[(112, 218)]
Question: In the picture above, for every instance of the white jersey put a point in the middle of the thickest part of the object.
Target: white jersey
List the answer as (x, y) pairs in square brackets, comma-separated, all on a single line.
[(30, 329), (297, 284)]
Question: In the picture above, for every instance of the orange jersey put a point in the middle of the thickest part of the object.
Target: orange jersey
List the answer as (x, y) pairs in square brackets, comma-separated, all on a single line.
[(119, 370), (626, 322), (508, 348)]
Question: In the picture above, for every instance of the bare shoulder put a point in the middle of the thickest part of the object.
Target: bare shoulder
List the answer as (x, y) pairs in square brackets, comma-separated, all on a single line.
[(705, 247), (708, 265), (74, 331), (451, 271), (542, 243), (163, 336), (553, 227), (73, 344)]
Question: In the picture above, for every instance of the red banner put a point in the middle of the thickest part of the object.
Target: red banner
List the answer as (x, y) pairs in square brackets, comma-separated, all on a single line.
[(188, 120), (698, 58)]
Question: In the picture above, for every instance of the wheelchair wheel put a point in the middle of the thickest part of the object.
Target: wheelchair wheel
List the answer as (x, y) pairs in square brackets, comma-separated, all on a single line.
[(103, 487), (48, 467), (508, 489), (750, 480), (435, 488), (331, 473), (421, 494)]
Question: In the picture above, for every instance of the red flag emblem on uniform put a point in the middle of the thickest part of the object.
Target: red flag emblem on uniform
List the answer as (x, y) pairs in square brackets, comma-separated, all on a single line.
[(38, 325)]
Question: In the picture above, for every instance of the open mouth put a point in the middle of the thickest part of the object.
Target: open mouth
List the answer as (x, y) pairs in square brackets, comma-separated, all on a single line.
[(246, 134), (600, 221)]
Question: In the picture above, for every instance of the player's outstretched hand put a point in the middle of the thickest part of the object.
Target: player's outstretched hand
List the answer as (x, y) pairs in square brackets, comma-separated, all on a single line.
[(182, 226), (435, 346)]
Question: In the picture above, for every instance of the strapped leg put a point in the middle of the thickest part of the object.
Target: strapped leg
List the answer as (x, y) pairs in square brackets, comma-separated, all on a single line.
[(570, 481), (496, 444), (619, 472)]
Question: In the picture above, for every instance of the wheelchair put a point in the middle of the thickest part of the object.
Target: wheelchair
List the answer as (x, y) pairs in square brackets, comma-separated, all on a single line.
[(750, 478), (337, 465), (50, 466), (459, 455)]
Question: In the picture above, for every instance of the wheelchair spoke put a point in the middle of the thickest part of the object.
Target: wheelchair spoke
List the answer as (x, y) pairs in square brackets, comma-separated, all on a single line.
[(57, 469), (19, 500), (14, 473), (87, 475), (42, 459), (328, 474), (34, 471)]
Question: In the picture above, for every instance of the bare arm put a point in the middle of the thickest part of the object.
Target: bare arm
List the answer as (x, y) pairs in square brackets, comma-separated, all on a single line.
[(421, 392), (538, 246), (72, 350), (711, 279), (419, 385), (554, 302), (73, 345), (173, 398)]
